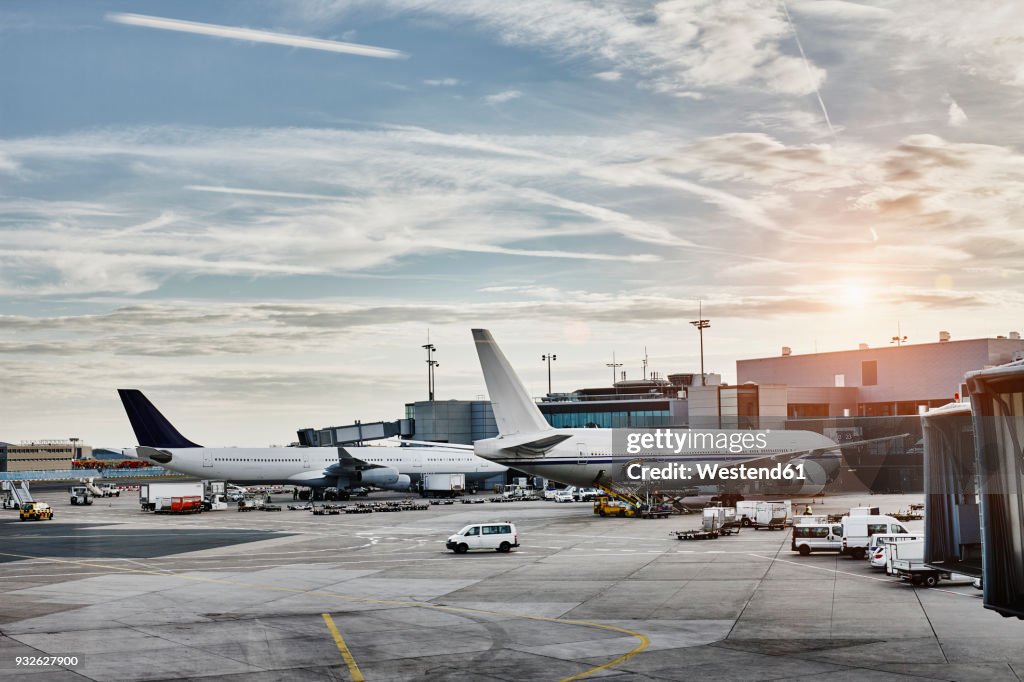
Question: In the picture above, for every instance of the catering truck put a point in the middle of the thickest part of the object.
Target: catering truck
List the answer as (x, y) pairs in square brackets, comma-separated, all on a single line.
[(151, 494), (443, 485)]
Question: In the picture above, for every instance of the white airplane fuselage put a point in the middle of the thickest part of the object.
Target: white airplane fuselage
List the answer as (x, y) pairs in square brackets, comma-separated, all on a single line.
[(589, 454), (305, 466)]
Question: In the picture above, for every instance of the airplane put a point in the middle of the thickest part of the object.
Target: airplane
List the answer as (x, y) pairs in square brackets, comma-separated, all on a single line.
[(588, 457), (343, 468)]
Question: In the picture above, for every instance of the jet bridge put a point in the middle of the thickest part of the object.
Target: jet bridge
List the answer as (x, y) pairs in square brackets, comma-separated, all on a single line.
[(952, 514), (997, 398)]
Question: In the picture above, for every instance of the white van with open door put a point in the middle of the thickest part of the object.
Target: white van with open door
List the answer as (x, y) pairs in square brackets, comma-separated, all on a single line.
[(501, 537)]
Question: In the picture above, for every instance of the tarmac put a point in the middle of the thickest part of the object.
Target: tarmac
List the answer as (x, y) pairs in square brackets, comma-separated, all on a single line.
[(293, 596)]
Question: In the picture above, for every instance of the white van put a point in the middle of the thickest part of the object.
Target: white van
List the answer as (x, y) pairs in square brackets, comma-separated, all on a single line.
[(501, 537), (857, 531), (817, 537), (564, 495)]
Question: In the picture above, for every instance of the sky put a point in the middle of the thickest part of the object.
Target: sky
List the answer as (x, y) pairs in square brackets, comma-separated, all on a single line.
[(257, 211)]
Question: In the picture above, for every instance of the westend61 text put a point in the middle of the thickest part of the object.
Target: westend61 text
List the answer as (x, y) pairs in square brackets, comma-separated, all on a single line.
[(792, 471)]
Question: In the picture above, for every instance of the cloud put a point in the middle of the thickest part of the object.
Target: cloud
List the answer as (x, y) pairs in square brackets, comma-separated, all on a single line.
[(502, 97), (294, 202), (610, 76), (956, 116), (672, 46), (252, 35), (442, 82)]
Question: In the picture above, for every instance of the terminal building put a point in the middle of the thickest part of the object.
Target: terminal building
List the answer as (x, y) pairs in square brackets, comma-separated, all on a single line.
[(46, 455), (891, 381)]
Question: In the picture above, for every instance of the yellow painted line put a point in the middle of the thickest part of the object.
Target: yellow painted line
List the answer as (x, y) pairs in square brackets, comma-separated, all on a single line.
[(350, 661), (644, 641)]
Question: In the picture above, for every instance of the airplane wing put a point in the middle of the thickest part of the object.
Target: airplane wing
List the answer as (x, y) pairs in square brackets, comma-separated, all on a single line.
[(782, 457)]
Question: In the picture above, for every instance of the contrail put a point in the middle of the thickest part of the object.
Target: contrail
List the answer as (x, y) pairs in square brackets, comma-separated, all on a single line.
[(807, 65), (253, 35), (262, 192)]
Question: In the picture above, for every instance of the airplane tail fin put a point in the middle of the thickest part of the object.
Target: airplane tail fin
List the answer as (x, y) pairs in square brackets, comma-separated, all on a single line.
[(514, 411), (151, 428)]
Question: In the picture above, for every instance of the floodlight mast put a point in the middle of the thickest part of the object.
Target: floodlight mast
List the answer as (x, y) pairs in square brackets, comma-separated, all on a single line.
[(701, 324)]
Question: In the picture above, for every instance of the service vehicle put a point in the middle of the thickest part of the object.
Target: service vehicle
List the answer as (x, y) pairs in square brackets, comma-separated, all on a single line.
[(586, 494), (80, 495), (501, 537), (443, 485), (109, 490), (564, 496), (149, 493), (908, 563), (878, 547), (215, 502), (771, 515), (35, 511), (858, 529), (605, 505), (746, 510), (716, 518), (817, 537), (810, 518), (185, 504), (549, 493)]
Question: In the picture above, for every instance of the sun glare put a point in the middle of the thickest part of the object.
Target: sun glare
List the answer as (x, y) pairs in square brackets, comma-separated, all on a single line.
[(854, 294)]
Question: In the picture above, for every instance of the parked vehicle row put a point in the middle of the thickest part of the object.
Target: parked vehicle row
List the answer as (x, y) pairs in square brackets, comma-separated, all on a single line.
[(572, 494), (850, 536)]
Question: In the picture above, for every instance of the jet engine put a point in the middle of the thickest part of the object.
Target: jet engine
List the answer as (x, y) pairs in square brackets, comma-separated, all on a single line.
[(402, 484), (382, 477)]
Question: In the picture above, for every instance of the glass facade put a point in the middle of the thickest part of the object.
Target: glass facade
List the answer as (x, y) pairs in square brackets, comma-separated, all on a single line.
[(609, 420)]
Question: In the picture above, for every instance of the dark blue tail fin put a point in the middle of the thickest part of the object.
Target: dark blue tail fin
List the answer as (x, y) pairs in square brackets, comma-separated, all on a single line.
[(151, 428)]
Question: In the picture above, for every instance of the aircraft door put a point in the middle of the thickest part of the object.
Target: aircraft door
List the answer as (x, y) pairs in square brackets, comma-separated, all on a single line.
[(582, 453), (207, 458), (305, 458)]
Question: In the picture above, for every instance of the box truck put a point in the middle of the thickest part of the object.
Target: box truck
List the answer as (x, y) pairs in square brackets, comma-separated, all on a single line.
[(443, 485), (151, 493)]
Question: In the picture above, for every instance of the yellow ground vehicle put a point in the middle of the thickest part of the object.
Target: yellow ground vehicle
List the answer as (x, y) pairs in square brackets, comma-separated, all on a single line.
[(36, 511), (608, 506)]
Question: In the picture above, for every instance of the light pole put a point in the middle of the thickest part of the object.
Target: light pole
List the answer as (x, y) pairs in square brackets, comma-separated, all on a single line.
[(614, 365), (701, 324), (549, 358), (431, 364)]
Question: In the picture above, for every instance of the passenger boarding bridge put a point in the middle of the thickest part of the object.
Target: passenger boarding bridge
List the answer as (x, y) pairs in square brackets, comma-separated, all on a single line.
[(974, 482)]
